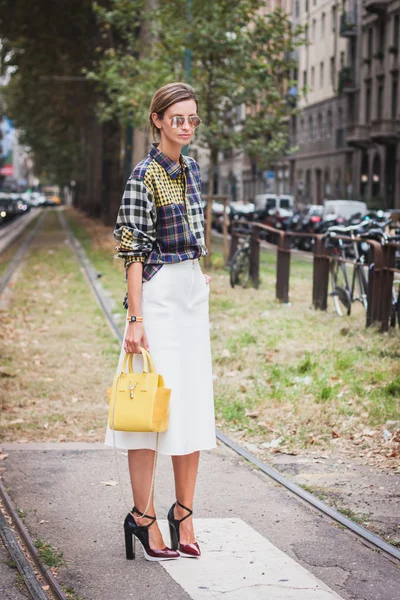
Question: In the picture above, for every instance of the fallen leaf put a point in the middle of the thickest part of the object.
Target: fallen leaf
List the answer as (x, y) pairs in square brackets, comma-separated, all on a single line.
[(3, 456), (16, 422), (109, 483), (335, 434), (252, 415)]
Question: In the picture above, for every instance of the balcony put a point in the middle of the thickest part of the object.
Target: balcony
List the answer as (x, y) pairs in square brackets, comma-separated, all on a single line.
[(376, 6), (348, 25), (347, 81), (358, 136), (383, 131)]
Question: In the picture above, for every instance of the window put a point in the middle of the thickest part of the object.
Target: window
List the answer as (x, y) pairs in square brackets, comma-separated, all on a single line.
[(396, 31), (311, 127), (302, 135), (368, 104), (341, 60), (333, 13), (312, 77), (322, 24), (297, 9), (305, 79), (307, 7), (329, 123), (320, 133), (395, 85), (332, 70), (380, 100), (313, 30), (321, 74), (382, 37), (370, 42)]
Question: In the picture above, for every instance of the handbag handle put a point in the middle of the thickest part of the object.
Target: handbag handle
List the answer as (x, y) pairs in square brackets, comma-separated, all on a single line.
[(147, 362)]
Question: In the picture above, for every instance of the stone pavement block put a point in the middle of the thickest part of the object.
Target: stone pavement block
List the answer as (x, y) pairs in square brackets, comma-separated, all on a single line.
[(62, 485)]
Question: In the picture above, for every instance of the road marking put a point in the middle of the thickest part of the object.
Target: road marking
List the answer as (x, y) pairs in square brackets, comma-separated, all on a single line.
[(237, 562)]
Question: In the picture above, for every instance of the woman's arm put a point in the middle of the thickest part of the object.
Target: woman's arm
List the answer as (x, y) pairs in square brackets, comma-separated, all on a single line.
[(135, 336)]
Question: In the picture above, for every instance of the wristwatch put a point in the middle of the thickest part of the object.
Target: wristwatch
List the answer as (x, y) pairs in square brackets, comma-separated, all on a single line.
[(134, 319)]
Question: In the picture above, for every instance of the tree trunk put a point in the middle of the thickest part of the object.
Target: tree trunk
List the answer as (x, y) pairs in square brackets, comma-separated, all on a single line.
[(211, 179), (112, 178)]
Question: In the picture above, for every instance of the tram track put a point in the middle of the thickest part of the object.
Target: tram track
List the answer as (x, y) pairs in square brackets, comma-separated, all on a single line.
[(53, 588)]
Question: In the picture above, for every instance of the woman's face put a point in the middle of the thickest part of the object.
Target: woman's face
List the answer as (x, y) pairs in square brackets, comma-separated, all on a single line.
[(182, 134)]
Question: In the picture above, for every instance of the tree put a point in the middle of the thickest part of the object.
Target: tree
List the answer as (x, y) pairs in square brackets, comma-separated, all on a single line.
[(240, 69), (45, 46)]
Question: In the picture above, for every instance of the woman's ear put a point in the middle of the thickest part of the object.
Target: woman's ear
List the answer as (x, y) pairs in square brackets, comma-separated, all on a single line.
[(156, 120)]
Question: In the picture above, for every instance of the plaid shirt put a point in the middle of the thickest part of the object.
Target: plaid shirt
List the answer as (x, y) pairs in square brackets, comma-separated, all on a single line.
[(161, 216)]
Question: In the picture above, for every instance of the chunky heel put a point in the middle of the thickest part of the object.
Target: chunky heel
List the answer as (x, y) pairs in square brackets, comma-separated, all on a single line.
[(130, 545), (174, 537), (141, 532)]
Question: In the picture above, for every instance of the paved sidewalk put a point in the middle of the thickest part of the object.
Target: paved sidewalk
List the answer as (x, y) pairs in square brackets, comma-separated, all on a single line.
[(61, 489)]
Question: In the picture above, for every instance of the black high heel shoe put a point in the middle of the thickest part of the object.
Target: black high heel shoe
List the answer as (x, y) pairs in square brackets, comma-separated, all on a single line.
[(185, 550), (141, 532)]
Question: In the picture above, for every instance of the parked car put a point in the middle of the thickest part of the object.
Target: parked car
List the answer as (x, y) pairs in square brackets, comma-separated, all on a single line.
[(344, 209)]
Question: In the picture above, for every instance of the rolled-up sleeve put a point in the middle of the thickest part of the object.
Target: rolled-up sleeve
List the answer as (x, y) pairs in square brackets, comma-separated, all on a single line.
[(135, 228)]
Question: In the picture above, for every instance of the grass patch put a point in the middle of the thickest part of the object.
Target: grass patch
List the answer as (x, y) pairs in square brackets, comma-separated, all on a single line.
[(353, 516), (48, 555), (303, 372), (71, 593)]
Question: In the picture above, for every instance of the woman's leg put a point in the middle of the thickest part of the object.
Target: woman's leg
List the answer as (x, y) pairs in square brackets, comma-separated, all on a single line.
[(141, 471), (185, 471)]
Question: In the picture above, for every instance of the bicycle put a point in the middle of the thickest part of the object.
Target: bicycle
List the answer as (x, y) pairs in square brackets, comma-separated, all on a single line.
[(240, 263), (343, 294)]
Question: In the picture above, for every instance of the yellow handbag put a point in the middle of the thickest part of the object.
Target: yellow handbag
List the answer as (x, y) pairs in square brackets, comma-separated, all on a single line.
[(139, 401)]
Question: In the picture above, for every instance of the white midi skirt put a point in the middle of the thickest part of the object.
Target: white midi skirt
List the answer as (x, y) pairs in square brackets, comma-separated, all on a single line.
[(176, 322)]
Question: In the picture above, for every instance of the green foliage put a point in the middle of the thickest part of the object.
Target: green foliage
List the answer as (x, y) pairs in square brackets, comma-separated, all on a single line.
[(241, 67), (44, 47)]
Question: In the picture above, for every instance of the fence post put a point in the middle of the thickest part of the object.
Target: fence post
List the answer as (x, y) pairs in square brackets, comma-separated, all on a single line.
[(375, 262), (283, 268), (255, 256), (320, 275), (389, 262)]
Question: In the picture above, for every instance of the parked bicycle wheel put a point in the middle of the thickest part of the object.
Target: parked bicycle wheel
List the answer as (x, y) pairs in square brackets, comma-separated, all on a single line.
[(240, 268), (340, 288), (361, 286)]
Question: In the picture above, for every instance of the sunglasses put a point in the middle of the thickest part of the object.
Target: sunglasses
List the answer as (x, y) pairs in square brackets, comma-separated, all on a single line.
[(178, 121)]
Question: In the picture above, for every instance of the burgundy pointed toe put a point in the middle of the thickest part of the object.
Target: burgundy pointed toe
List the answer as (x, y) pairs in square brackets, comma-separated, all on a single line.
[(185, 550), (189, 550)]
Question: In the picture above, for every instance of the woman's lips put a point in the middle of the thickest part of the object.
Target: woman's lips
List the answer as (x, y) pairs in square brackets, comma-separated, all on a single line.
[(185, 135)]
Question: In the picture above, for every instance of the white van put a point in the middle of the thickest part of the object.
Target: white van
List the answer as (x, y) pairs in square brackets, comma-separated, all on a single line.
[(274, 202), (343, 208)]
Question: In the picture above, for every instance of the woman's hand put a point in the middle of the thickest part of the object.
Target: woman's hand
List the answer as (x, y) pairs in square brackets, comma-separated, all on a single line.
[(207, 278), (135, 338)]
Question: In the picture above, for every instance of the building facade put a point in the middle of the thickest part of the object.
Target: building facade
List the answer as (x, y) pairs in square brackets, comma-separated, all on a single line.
[(347, 129), (374, 129), (321, 168)]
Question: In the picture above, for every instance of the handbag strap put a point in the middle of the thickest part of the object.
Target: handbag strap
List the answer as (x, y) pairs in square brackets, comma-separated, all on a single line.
[(151, 494), (130, 356)]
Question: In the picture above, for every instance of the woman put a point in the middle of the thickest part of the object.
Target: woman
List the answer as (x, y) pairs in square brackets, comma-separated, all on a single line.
[(160, 229)]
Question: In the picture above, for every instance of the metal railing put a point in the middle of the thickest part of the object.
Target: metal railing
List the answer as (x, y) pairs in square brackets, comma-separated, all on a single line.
[(381, 268)]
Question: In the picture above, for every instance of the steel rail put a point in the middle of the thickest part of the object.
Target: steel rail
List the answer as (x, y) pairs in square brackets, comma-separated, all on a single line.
[(316, 503), (31, 549), (19, 255), (27, 573)]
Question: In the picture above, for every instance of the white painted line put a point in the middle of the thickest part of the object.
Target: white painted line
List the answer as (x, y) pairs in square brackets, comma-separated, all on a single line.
[(238, 563)]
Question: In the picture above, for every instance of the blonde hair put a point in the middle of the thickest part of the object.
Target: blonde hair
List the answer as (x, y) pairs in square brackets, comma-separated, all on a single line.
[(165, 97)]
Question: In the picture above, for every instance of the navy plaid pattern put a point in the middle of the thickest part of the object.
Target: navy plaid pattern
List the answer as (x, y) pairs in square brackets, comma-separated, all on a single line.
[(161, 216)]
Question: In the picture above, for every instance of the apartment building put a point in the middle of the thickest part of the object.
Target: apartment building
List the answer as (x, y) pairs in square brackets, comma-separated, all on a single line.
[(374, 129), (322, 166), (347, 131)]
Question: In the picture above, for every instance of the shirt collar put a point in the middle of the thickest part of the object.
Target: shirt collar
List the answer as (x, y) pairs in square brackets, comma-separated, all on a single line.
[(173, 168)]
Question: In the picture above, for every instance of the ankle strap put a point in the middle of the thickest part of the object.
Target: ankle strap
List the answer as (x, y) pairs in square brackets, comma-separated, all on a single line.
[(141, 515), (190, 512)]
